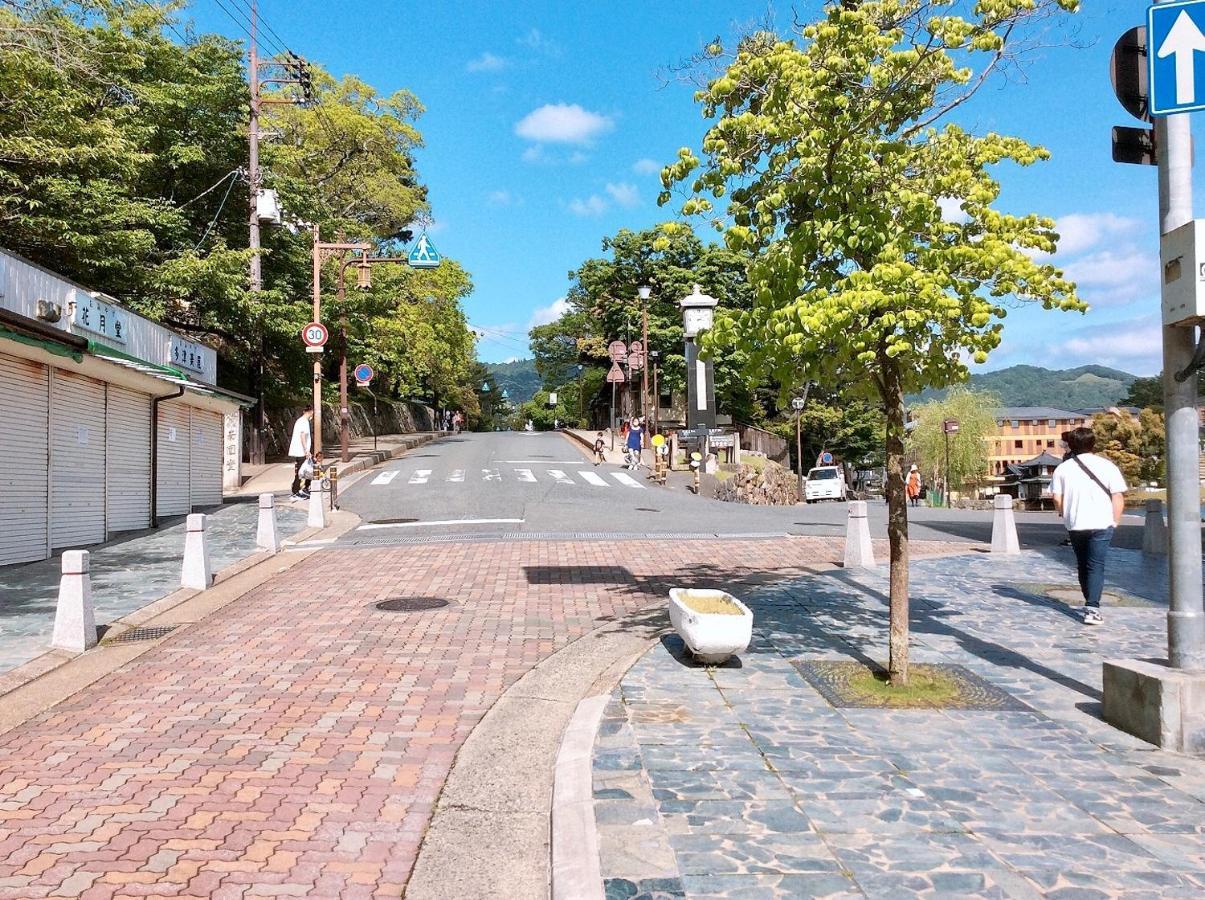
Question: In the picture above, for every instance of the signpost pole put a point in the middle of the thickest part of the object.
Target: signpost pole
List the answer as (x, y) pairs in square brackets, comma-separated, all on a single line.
[(612, 415), (947, 481), (1185, 619), (799, 450), (317, 443)]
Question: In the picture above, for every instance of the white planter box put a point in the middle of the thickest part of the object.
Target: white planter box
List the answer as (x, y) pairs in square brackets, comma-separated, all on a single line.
[(711, 637)]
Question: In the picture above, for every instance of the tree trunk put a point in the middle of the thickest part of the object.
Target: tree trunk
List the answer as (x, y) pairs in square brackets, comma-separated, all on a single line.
[(897, 523)]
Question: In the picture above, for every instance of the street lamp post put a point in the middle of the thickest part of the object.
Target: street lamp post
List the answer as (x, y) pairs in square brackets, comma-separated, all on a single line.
[(655, 355), (645, 291)]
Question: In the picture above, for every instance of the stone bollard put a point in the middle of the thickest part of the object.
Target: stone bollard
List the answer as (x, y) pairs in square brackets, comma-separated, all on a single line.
[(266, 536), (1154, 533), (196, 572), (317, 516), (1004, 526), (74, 618), (859, 553)]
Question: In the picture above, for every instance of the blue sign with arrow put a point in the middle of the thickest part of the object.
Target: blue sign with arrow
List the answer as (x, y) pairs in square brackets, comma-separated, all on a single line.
[(424, 255), (1176, 57)]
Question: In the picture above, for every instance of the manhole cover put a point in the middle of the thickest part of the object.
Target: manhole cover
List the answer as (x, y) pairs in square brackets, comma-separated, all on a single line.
[(143, 634), (411, 604), (402, 521)]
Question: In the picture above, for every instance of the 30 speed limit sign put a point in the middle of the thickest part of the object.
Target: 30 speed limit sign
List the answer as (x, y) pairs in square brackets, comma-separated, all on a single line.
[(314, 337)]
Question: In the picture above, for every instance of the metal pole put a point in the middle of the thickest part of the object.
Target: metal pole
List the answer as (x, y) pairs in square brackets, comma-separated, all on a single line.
[(612, 415), (344, 449), (799, 450), (946, 490), (317, 445), (253, 178), (656, 398), (644, 369), (1185, 619)]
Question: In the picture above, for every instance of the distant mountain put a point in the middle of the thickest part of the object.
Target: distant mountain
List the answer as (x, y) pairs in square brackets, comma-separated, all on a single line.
[(1079, 388), (518, 379)]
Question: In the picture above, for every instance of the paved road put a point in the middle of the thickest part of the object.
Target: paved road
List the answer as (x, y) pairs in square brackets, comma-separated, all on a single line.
[(515, 483)]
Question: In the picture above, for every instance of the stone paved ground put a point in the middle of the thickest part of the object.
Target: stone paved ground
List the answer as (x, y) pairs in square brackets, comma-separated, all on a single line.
[(295, 742), (126, 576), (744, 782)]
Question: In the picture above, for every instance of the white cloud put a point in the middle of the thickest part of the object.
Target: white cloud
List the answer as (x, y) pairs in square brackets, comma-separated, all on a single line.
[(535, 154), (1083, 231), (563, 123), (1134, 345), (624, 194), (550, 313), (951, 209), (537, 42), (646, 166), (593, 205), (1115, 277), (499, 198), (487, 62)]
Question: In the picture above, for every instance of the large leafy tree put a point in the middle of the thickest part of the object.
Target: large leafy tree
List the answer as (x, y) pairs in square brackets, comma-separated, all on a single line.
[(1136, 444), (967, 460), (836, 155)]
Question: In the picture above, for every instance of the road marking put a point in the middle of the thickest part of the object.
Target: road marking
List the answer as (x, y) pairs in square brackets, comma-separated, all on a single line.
[(560, 476), (490, 475), (375, 526), (457, 475), (420, 476), (525, 475), (547, 462), (386, 477), (626, 479), (594, 478)]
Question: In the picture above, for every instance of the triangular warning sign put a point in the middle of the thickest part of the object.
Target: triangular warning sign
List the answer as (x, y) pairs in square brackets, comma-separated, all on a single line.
[(424, 255)]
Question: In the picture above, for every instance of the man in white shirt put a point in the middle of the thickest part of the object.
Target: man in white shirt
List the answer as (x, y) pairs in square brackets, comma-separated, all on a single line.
[(1089, 493), (301, 448)]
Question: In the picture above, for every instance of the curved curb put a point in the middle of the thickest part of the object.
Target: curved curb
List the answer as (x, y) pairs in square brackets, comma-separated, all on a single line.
[(576, 868), (491, 833)]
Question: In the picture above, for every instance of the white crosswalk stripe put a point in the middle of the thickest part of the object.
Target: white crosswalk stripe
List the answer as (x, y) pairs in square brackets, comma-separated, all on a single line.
[(420, 476), (385, 477), (490, 475), (594, 478), (457, 475), (560, 477), (525, 475), (625, 479)]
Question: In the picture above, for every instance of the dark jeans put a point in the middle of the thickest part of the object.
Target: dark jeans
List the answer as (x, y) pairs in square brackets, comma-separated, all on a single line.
[(297, 476), (1091, 549)]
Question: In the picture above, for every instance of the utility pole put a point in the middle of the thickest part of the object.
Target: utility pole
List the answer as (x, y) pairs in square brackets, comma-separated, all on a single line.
[(258, 449), (1185, 619)]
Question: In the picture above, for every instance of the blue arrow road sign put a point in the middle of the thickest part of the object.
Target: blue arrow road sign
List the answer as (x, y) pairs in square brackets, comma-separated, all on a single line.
[(1176, 56), (424, 255)]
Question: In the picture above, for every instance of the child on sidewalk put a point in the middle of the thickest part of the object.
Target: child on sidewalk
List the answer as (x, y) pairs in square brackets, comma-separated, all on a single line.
[(599, 444)]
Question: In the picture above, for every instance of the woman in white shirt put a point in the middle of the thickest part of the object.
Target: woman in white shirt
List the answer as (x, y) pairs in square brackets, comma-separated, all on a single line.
[(1089, 493)]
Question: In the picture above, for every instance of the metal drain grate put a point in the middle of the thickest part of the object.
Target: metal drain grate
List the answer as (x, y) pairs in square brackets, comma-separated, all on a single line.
[(411, 604), (143, 634), (400, 521)]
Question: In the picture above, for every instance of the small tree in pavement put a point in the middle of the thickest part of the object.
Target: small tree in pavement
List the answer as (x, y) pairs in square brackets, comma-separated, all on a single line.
[(837, 169)]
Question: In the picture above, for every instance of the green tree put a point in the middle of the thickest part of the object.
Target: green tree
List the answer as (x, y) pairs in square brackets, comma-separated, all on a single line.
[(1136, 444), (849, 428), (831, 153), (968, 463), (1145, 393)]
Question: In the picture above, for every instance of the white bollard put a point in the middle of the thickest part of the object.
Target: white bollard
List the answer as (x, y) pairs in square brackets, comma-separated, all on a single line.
[(317, 516), (75, 618), (1154, 533), (1004, 526), (859, 553), (266, 536), (196, 573)]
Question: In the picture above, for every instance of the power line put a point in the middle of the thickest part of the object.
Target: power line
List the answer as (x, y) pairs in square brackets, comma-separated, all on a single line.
[(216, 215), (243, 21), (279, 41), (207, 190), (166, 19)]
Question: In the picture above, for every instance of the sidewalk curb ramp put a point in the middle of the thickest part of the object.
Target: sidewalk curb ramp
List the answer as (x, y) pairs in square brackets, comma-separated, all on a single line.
[(55, 675)]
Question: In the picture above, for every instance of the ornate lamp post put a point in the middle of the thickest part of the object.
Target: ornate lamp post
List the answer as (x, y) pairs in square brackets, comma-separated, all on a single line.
[(698, 312), (645, 291)]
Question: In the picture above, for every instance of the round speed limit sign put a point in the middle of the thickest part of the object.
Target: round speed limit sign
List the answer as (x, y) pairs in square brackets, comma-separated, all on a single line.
[(314, 335)]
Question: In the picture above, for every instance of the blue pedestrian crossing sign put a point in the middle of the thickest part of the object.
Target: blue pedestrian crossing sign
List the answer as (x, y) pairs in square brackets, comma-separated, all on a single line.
[(424, 255), (1176, 56)]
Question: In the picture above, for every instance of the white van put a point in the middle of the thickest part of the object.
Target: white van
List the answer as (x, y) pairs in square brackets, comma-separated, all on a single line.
[(824, 483)]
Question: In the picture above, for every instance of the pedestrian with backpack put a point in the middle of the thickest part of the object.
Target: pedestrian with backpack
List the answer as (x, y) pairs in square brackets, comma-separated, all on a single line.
[(1089, 493)]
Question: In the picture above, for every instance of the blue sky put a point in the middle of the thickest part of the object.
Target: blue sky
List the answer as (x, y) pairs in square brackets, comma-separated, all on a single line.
[(547, 124)]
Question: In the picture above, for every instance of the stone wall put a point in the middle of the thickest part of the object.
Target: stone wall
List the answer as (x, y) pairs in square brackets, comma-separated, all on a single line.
[(392, 417), (767, 485)]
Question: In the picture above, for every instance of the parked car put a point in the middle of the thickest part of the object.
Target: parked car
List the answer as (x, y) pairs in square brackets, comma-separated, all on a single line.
[(824, 483)]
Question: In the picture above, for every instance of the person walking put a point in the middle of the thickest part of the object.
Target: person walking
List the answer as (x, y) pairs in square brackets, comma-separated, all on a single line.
[(914, 485), (301, 450), (635, 443), (1089, 493), (599, 449)]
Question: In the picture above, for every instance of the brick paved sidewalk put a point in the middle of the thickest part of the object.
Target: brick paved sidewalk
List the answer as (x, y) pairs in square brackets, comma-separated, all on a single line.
[(744, 781), (295, 743)]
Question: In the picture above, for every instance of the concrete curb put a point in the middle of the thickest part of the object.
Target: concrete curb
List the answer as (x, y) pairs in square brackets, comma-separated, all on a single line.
[(576, 869)]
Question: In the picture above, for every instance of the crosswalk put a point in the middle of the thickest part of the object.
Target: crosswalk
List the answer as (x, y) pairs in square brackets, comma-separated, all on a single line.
[(528, 475)]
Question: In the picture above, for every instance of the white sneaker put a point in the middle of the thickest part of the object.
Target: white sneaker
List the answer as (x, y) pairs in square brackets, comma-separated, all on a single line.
[(1092, 616)]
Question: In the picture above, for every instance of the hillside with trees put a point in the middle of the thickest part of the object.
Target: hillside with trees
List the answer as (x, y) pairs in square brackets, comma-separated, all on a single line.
[(1083, 387), (518, 378)]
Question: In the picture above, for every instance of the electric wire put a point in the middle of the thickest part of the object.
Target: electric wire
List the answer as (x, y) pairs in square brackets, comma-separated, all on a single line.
[(166, 19), (243, 21), (216, 215), (214, 187), (280, 42)]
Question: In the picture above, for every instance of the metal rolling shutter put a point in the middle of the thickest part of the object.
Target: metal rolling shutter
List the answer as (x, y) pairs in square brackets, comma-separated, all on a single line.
[(128, 437), (77, 460), (172, 488), (24, 402), (205, 466)]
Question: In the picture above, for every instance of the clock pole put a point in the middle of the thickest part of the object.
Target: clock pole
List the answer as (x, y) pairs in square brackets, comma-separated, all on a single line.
[(697, 315)]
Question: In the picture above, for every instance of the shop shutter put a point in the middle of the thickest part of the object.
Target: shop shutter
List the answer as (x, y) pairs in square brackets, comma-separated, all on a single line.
[(24, 475), (77, 460), (172, 487), (128, 436), (205, 465)]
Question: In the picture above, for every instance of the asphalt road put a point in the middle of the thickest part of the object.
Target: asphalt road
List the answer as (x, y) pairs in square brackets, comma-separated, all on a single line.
[(516, 483)]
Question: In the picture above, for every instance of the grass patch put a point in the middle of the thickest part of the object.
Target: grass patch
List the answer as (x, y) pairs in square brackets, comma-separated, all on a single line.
[(710, 604), (927, 688)]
